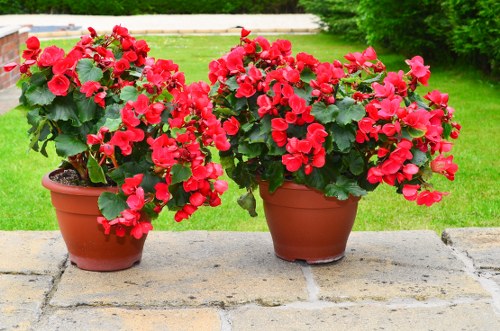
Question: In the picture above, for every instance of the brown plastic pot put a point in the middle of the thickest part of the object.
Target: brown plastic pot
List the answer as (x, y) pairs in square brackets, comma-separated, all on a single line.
[(88, 247), (306, 225)]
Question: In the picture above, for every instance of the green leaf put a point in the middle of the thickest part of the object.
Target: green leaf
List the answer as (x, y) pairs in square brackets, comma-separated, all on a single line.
[(419, 157), (344, 187), (273, 149), (112, 114), (260, 133), (237, 104), (214, 89), (33, 117), (111, 205), (316, 179), (68, 145), (85, 107), (304, 93), (87, 71), (373, 79), (149, 181), (180, 173), (333, 190), (307, 75), (227, 162), (247, 127), (349, 111), (323, 113), (247, 202), (112, 123), (415, 97), (415, 133), (39, 95), (343, 137), (274, 173), (39, 132), (39, 78), (257, 135), (356, 163), (232, 83), (63, 109), (250, 150), (447, 128), (129, 93), (96, 173), (129, 169), (179, 197)]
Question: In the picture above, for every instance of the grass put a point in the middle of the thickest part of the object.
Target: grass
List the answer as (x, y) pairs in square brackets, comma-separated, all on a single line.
[(474, 198)]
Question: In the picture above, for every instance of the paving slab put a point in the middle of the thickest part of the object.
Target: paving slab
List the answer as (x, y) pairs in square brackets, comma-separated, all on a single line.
[(355, 280), (131, 319), (21, 299), (32, 252), (419, 248), (482, 245), (385, 266), (467, 316), (191, 269)]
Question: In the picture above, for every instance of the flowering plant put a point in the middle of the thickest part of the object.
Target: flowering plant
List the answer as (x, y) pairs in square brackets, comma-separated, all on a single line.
[(119, 117), (341, 128)]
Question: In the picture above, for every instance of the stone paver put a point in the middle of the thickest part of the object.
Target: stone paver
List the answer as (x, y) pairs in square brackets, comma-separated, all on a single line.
[(355, 280), (474, 316), (408, 248), (384, 266), (482, 245), (21, 299), (131, 319), (228, 281), (192, 269), (29, 252)]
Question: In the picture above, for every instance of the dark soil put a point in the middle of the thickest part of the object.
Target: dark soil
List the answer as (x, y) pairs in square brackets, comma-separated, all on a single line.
[(70, 177), (66, 177)]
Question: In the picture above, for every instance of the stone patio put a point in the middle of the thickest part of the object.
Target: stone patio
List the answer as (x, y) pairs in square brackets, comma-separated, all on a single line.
[(232, 281)]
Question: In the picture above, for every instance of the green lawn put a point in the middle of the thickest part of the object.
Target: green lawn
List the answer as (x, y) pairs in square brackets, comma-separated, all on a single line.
[(474, 198)]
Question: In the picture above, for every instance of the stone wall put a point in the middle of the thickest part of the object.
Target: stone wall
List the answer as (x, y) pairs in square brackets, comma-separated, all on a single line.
[(11, 38)]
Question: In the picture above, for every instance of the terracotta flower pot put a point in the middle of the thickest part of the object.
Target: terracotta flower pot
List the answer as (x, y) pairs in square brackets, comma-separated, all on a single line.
[(306, 225), (89, 248)]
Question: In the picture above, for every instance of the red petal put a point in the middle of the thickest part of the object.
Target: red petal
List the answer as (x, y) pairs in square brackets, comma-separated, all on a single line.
[(10, 66)]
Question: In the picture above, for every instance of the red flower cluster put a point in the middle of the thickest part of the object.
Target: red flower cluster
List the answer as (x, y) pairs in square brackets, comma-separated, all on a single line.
[(399, 127), (356, 116), (123, 118), (191, 128)]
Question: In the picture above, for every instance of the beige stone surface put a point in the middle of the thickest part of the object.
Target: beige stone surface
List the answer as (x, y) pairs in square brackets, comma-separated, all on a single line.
[(98, 318), (191, 269), (482, 245), (31, 252), (408, 248), (466, 316), (355, 280), (21, 299), (384, 266)]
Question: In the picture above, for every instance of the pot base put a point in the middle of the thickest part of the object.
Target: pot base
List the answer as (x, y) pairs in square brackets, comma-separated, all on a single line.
[(312, 260), (90, 264)]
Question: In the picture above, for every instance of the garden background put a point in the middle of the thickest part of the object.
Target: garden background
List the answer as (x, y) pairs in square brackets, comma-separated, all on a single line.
[(459, 39)]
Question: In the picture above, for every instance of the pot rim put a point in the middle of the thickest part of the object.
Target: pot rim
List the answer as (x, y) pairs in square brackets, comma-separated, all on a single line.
[(290, 185), (73, 189)]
